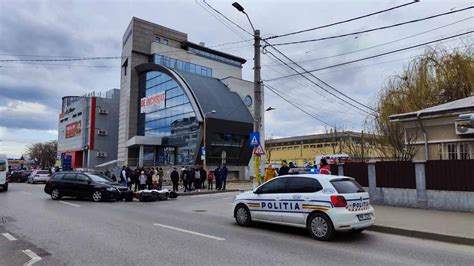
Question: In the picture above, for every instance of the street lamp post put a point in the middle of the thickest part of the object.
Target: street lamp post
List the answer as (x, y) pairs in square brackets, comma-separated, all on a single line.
[(258, 92), (204, 161)]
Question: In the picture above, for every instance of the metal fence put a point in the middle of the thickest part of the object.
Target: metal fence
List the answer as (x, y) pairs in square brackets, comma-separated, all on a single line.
[(457, 175), (359, 171), (396, 174)]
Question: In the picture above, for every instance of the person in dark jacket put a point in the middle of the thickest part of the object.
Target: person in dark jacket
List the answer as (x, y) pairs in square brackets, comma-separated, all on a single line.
[(284, 169), (175, 179), (203, 176), (223, 174), (184, 178), (217, 176), (136, 179), (191, 176)]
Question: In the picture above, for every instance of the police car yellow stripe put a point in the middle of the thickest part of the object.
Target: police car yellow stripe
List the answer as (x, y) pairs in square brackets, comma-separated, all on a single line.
[(315, 207), (254, 205)]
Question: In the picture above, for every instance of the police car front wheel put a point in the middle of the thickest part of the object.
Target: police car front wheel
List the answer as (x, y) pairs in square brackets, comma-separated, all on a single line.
[(242, 215), (320, 227)]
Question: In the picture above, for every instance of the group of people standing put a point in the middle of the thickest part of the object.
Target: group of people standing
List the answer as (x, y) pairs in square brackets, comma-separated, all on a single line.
[(271, 172), (191, 178), (142, 178), (194, 178)]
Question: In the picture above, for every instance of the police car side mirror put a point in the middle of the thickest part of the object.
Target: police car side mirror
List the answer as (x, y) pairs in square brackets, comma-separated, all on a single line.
[(257, 191)]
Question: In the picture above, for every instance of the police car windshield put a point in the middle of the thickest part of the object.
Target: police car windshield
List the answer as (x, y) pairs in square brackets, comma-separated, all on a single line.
[(346, 186)]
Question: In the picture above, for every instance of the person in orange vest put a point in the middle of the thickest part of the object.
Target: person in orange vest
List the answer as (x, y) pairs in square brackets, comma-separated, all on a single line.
[(270, 173)]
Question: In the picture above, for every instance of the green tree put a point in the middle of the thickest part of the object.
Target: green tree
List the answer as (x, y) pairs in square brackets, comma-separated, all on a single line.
[(43, 154), (436, 77)]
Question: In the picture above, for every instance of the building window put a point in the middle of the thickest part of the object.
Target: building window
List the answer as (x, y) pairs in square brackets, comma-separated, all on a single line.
[(165, 41), (181, 65), (464, 152), (157, 39), (176, 123), (452, 151)]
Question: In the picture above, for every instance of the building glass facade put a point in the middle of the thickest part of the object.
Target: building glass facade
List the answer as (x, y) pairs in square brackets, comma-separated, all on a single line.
[(182, 65), (176, 123)]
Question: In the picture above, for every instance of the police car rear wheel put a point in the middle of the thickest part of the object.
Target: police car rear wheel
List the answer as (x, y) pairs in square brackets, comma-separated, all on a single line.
[(242, 216), (320, 227)]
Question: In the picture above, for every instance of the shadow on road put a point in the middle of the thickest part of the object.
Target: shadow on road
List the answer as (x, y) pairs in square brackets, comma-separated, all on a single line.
[(340, 237)]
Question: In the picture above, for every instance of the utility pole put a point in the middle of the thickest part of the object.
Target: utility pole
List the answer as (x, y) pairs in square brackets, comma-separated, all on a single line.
[(258, 96), (258, 92)]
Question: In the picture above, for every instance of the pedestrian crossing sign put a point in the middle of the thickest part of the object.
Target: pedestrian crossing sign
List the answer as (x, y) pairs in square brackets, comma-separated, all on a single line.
[(254, 139), (259, 150)]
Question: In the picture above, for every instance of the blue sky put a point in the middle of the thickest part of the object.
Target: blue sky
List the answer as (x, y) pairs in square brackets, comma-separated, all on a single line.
[(31, 93)]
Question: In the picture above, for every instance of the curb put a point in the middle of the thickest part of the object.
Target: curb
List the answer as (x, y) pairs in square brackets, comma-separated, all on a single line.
[(205, 192), (422, 235)]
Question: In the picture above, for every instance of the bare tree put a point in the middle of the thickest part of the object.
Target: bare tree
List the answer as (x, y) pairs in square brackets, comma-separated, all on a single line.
[(43, 154), (435, 78)]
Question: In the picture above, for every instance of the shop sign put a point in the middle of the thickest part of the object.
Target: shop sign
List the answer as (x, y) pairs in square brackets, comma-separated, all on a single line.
[(73, 129), (153, 102)]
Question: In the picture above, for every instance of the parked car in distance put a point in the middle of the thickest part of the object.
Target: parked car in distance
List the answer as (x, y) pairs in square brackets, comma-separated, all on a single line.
[(38, 176), (20, 176), (86, 185), (4, 176)]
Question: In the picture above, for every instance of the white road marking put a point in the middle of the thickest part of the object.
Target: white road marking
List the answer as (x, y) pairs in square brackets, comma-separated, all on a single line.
[(29, 193), (189, 232), (34, 258), (9, 237), (72, 204)]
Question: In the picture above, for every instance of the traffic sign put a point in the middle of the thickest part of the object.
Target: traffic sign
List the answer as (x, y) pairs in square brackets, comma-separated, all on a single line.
[(254, 139), (259, 150), (203, 153)]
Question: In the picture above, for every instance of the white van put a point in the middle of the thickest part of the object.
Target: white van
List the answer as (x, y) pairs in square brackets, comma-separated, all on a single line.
[(3, 172)]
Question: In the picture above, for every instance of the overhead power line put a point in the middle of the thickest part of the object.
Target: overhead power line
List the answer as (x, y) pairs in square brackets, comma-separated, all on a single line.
[(375, 56), (346, 101), (373, 29), (275, 91), (342, 22), (219, 19), (62, 59), (323, 82), (226, 18), (383, 44)]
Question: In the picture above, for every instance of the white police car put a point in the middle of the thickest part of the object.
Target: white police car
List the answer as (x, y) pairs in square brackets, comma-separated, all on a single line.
[(321, 203)]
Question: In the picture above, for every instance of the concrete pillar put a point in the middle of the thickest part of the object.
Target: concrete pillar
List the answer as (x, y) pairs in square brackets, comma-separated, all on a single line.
[(141, 154), (421, 197), (372, 176), (340, 169)]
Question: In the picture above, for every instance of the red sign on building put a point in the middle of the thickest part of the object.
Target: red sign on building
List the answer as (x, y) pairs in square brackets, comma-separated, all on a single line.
[(73, 129), (152, 103)]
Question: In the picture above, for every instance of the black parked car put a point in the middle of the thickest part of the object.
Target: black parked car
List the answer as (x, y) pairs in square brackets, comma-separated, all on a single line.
[(89, 185)]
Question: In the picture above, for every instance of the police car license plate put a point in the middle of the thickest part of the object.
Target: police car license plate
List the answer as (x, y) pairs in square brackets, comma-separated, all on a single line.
[(364, 217)]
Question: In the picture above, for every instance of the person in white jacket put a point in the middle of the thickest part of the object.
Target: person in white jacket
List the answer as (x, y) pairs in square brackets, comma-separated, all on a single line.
[(142, 180)]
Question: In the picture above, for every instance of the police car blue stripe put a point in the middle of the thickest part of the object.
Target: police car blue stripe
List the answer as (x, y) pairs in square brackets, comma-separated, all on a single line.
[(325, 201), (292, 199), (260, 210), (259, 199), (316, 205)]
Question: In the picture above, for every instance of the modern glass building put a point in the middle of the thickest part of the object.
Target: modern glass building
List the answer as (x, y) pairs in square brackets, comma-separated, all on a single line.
[(170, 90)]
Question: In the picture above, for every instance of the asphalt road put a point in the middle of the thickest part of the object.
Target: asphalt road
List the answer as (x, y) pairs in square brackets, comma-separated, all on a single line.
[(189, 230)]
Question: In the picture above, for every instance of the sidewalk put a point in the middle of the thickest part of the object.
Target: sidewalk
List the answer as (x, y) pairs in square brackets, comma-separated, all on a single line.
[(455, 227)]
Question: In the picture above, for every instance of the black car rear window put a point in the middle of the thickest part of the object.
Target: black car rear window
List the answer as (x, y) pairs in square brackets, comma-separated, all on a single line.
[(57, 176), (346, 186)]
